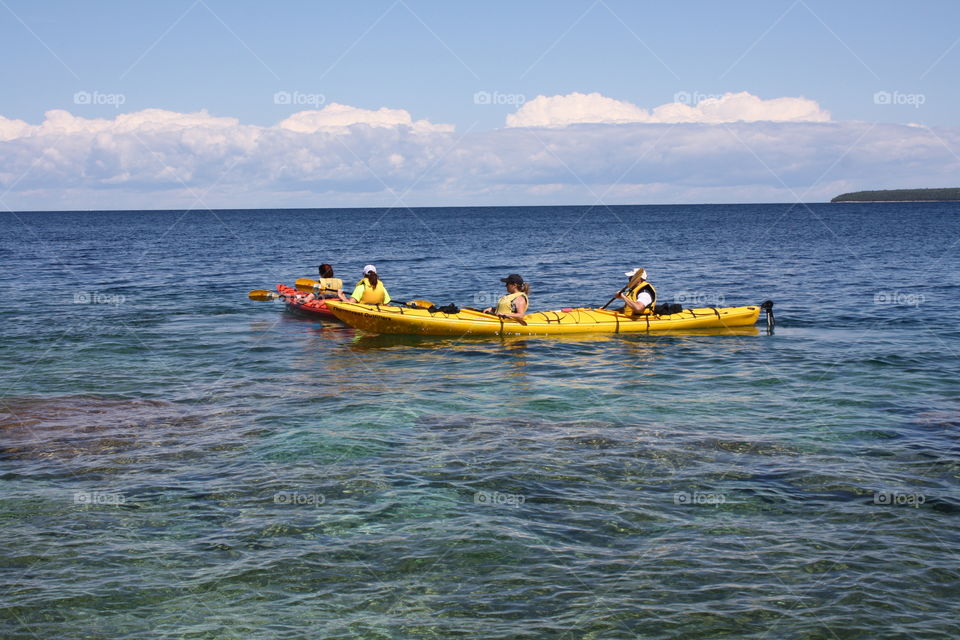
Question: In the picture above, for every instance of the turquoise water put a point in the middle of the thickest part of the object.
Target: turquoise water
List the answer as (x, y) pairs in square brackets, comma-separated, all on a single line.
[(180, 462)]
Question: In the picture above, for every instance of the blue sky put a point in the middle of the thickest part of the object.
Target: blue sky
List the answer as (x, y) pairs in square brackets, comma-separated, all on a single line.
[(431, 60)]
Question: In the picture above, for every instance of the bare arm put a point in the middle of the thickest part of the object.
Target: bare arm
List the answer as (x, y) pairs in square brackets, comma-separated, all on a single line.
[(636, 306)]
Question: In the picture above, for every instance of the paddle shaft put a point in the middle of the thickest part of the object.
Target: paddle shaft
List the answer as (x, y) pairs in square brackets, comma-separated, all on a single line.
[(633, 281), (495, 315)]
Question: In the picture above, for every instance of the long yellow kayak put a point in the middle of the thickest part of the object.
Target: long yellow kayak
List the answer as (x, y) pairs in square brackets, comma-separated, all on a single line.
[(386, 319)]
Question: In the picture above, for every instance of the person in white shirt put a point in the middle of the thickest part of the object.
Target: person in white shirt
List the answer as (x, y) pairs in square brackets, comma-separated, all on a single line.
[(641, 297)]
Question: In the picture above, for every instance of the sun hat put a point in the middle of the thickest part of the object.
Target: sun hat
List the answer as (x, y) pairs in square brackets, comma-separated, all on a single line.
[(367, 269), (513, 278), (642, 271)]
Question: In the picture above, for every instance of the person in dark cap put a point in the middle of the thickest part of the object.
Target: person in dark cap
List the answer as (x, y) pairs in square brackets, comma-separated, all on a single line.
[(514, 304)]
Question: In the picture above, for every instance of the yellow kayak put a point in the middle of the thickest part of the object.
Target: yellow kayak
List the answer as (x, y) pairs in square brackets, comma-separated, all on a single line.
[(386, 319)]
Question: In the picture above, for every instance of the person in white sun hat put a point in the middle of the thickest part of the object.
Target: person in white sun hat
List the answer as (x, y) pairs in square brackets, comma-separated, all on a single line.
[(641, 297), (369, 290)]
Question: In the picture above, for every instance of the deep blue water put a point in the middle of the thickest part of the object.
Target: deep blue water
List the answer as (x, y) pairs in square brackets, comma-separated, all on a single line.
[(178, 461)]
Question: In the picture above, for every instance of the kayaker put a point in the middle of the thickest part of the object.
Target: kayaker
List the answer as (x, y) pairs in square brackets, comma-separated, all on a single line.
[(642, 297), (369, 290), (327, 284), (514, 304)]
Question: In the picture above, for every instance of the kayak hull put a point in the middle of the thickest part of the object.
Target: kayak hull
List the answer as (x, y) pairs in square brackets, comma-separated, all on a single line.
[(317, 308), (385, 319)]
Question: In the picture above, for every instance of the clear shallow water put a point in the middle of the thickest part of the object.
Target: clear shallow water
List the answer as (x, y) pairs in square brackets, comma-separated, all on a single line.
[(178, 461)]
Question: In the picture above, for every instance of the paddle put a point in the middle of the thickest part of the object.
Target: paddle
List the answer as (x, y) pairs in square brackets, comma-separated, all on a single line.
[(312, 286), (494, 315), (637, 277), (263, 294)]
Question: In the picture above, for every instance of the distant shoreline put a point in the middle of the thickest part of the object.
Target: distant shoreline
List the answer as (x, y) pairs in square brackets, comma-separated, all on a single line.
[(717, 205), (901, 195)]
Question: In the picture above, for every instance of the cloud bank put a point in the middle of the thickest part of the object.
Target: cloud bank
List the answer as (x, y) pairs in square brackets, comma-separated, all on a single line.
[(737, 148), (574, 108)]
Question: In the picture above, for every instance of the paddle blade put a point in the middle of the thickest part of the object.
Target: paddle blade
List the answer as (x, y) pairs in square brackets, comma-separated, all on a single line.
[(306, 284), (262, 294), (423, 304), (312, 286)]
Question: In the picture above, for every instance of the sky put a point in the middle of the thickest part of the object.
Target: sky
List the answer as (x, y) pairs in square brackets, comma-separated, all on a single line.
[(215, 104)]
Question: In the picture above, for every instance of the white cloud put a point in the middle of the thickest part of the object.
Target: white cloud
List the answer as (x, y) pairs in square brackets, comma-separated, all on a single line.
[(156, 158), (340, 116), (10, 129), (576, 108), (559, 111)]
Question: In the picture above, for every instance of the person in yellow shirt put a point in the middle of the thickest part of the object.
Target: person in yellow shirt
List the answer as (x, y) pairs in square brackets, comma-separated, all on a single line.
[(369, 290), (514, 304)]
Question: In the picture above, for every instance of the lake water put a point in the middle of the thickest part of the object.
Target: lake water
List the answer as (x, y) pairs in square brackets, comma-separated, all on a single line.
[(178, 461)]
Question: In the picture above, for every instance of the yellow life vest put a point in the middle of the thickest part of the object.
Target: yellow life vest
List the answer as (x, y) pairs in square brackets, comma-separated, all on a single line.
[(371, 294), (634, 293), (507, 303), (328, 285)]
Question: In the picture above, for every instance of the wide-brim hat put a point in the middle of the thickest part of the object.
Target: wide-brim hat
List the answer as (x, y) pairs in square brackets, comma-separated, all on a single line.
[(640, 270)]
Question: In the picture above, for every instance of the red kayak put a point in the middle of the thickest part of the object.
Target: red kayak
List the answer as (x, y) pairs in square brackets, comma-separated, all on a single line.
[(313, 307)]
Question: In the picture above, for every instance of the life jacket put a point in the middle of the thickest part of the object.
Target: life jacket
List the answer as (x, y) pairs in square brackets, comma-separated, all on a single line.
[(371, 294), (328, 285), (634, 293), (508, 304)]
